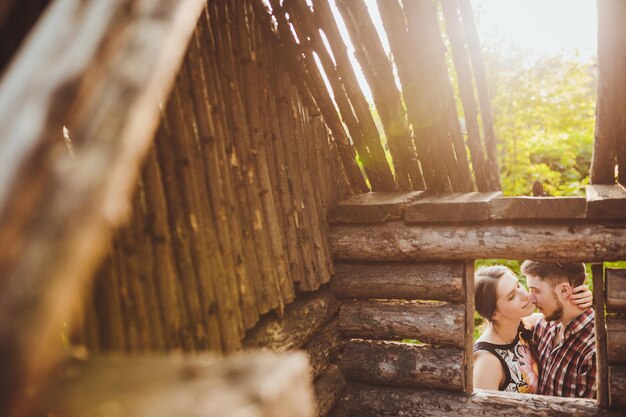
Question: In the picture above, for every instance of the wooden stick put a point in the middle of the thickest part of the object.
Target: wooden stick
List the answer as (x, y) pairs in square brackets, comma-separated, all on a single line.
[(378, 71), (473, 45), (466, 89), (371, 153)]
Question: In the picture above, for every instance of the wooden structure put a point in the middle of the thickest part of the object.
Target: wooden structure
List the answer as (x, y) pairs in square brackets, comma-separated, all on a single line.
[(168, 173)]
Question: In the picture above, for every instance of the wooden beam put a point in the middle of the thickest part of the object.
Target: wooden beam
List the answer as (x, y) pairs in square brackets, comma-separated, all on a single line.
[(252, 384), (323, 348), (606, 201), (616, 290), (98, 68), (403, 364), (429, 322), (616, 339), (538, 208), (301, 321), (617, 387), (602, 379), (370, 401), (451, 207), (328, 389), (372, 207), (397, 241), (394, 280)]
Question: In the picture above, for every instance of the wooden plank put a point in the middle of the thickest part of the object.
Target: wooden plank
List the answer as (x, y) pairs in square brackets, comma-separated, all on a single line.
[(301, 320), (602, 392), (97, 68), (616, 339), (606, 201), (430, 322), (617, 387), (396, 280), (451, 207), (403, 364), (397, 241), (156, 386), (468, 356), (372, 207), (328, 389), (323, 348), (369, 401), (538, 208), (616, 290)]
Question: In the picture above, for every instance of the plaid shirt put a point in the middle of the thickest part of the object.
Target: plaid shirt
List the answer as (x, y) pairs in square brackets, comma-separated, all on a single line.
[(568, 370)]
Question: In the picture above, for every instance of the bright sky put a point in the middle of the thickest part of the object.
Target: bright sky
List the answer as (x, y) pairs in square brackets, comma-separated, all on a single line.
[(545, 26), (548, 27)]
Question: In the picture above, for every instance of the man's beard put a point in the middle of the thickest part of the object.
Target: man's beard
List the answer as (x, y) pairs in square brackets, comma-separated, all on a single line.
[(558, 311)]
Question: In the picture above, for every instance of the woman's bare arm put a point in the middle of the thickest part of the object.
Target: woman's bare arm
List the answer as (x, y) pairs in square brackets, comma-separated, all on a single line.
[(488, 372)]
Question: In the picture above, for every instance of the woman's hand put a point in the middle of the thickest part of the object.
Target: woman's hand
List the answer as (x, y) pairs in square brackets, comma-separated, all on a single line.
[(582, 297)]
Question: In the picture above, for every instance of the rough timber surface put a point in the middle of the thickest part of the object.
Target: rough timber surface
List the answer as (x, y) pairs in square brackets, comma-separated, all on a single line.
[(538, 208), (451, 207), (370, 401), (616, 290), (606, 201), (396, 240), (399, 280)]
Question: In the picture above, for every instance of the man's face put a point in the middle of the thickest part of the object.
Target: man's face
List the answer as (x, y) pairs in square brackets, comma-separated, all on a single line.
[(544, 297)]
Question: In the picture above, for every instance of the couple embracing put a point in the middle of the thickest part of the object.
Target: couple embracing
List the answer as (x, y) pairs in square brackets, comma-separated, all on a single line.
[(552, 353)]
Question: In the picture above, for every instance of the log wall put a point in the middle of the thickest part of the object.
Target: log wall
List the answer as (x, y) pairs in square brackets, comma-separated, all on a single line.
[(385, 304), (616, 337), (228, 221)]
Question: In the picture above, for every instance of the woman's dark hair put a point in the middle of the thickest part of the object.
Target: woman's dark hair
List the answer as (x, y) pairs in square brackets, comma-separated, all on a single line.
[(485, 283)]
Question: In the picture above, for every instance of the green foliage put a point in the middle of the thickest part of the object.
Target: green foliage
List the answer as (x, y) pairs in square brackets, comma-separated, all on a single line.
[(544, 115)]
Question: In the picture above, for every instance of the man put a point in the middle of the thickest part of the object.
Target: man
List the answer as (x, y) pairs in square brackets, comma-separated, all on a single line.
[(565, 338)]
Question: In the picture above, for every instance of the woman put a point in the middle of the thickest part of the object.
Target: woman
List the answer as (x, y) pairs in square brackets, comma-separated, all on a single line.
[(504, 358)]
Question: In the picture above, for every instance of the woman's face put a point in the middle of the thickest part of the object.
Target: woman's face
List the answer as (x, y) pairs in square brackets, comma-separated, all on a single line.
[(513, 299)]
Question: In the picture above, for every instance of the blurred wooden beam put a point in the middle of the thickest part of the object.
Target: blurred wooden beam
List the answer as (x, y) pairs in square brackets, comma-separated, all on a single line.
[(254, 384), (99, 68)]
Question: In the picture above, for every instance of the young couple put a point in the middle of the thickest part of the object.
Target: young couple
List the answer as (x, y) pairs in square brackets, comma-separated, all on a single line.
[(552, 353)]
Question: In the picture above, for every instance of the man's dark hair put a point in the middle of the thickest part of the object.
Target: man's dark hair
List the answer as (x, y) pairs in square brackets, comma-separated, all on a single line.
[(556, 273)]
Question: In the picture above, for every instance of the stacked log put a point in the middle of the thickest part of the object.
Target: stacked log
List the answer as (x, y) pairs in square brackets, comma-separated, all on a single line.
[(613, 369)]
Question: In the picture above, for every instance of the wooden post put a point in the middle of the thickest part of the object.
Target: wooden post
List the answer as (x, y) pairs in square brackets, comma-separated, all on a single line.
[(468, 357), (602, 377)]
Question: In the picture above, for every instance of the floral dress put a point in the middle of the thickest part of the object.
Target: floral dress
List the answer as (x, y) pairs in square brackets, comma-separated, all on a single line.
[(518, 360)]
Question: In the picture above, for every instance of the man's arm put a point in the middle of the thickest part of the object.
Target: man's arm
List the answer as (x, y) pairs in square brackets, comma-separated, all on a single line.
[(586, 378)]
